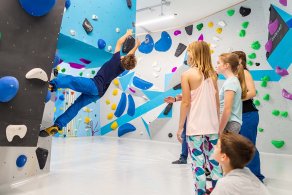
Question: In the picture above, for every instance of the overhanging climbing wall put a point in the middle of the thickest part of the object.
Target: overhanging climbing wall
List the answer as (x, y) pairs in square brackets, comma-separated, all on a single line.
[(28, 40)]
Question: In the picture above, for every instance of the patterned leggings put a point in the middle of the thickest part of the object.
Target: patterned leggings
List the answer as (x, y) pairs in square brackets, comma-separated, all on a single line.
[(201, 149)]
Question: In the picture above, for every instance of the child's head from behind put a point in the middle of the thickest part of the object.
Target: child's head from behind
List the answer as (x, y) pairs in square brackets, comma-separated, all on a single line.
[(199, 55), (242, 58), (228, 62), (129, 62), (233, 150)]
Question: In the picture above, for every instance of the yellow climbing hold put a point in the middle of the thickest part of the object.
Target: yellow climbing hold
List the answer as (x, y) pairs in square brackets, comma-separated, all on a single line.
[(58, 68), (87, 109), (114, 106), (110, 116), (210, 24), (115, 92), (212, 51), (61, 108), (55, 109), (114, 125), (107, 102), (116, 82), (87, 120), (219, 30)]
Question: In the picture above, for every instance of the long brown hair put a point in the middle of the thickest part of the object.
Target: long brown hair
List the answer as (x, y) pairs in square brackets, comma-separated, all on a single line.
[(233, 60), (200, 56), (239, 149), (242, 57)]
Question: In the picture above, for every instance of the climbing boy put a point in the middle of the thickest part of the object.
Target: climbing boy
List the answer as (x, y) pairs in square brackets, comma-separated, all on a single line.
[(91, 89)]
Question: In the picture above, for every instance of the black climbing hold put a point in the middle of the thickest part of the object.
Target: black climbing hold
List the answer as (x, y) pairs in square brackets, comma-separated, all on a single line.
[(244, 11), (185, 62), (42, 155), (180, 49), (177, 87), (128, 45), (267, 55), (168, 109), (129, 3), (87, 26), (133, 24), (257, 64), (189, 29), (170, 135), (56, 72)]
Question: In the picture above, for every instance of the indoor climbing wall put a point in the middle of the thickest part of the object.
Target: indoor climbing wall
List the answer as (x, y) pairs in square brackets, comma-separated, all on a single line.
[(28, 40), (261, 29)]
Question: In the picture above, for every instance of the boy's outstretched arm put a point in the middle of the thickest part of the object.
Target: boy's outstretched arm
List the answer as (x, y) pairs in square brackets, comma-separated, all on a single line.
[(137, 44), (121, 40)]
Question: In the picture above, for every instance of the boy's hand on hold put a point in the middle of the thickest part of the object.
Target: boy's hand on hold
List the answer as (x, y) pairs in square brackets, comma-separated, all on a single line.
[(138, 42), (169, 99), (129, 32)]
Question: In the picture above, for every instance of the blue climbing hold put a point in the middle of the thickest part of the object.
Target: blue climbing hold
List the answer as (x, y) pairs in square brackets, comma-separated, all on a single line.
[(8, 88), (131, 106), (61, 97), (164, 43), (121, 106), (67, 4), (101, 44), (147, 46), (37, 7), (21, 161), (48, 97), (141, 84), (126, 128)]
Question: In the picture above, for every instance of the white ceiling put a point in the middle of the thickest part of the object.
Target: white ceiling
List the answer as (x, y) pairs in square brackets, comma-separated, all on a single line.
[(188, 11)]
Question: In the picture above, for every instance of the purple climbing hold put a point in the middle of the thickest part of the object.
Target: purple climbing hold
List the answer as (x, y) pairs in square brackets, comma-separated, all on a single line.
[(174, 69), (286, 94), (269, 46), (85, 61), (273, 26), (282, 72), (101, 44), (76, 66), (132, 90), (284, 2), (177, 32), (201, 37)]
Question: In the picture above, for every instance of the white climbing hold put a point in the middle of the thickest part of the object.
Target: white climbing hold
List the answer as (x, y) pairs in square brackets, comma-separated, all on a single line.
[(109, 48), (221, 23), (155, 75), (229, 50), (37, 73), (213, 45), (15, 130), (216, 39), (154, 64), (94, 17), (157, 69), (72, 32), (118, 30)]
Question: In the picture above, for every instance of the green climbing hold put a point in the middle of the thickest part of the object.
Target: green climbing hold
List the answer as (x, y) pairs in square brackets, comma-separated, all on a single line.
[(278, 143), (200, 26), (63, 70), (257, 102), (245, 25), (0, 35), (266, 97), (93, 72), (81, 73), (250, 63), (284, 114), (66, 103), (230, 12), (276, 112), (242, 33), (256, 45), (264, 83), (252, 56), (265, 78), (260, 129)]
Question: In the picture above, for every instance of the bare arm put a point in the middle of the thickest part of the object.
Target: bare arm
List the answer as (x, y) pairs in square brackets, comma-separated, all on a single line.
[(251, 91), (122, 40), (215, 79), (228, 102)]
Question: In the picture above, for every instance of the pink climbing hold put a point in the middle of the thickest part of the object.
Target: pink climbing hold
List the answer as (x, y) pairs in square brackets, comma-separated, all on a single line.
[(273, 26), (269, 46), (85, 61), (76, 66), (282, 72), (283, 2), (177, 32), (286, 94), (132, 90), (201, 37), (174, 69)]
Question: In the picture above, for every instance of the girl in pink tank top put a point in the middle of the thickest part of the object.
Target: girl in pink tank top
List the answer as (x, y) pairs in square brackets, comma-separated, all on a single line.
[(200, 105)]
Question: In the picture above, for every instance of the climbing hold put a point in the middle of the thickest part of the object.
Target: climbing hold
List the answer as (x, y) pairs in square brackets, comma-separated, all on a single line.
[(21, 161), (167, 109), (94, 17), (210, 24), (189, 29), (216, 39), (141, 84), (87, 120), (278, 143), (219, 30), (230, 12), (118, 30), (180, 49), (48, 96), (284, 2), (276, 112), (260, 129), (155, 75), (72, 32), (63, 70), (266, 97), (174, 69), (284, 114), (273, 26), (85, 61), (116, 82), (252, 56), (282, 72), (115, 92), (114, 125), (256, 45), (147, 46), (170, 135), (132, 90), (93, 72), (245, 25), (8, 88), (107, 102), (110, 116), (129, 4), (177, 32), (42, 155), (37, 73), (164, 43), (264, 83), (109, 48), (242, 33), (286, 94), (131, 106), (121, 106), (222, 23), (74, 65), (126, 128), (265, 78), (87, 26), (101, 44), (0, 35), (80, 74), (178, 86), (257, 102), (37, 7), (249, 62), (269, 45), (244, 11), (257, 64), (128, 45), (67, 3), (61, 97), (201, 37), (114, 106), (200, 26), (15, 130)]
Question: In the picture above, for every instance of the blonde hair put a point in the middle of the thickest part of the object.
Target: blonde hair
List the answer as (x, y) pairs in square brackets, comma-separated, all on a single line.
[(233, 60), (200, 56)]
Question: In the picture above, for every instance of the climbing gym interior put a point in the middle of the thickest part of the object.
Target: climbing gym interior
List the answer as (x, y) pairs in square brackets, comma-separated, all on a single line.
[(125, 141)]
